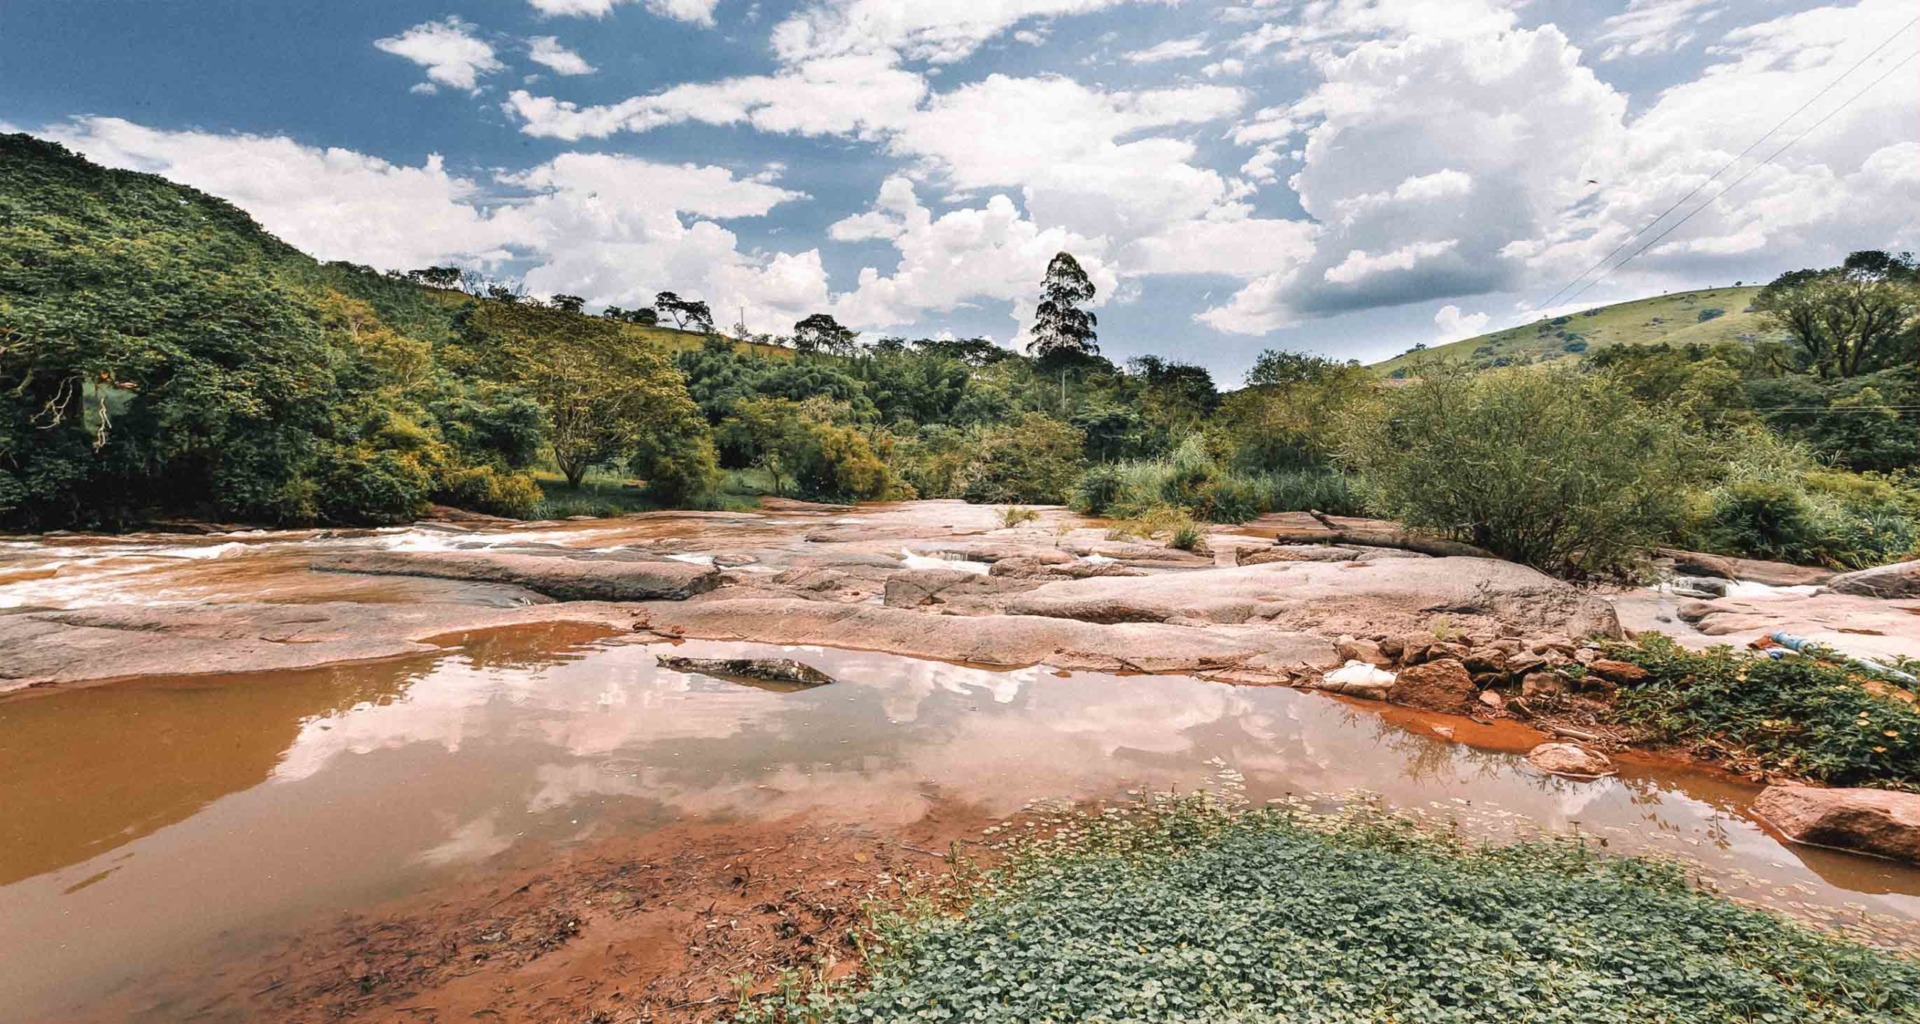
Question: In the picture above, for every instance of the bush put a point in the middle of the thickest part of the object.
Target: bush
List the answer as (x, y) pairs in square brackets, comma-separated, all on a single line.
[(1184, 910), (1034, 460), (1798, 716), (1775, 503), (1552, 468)]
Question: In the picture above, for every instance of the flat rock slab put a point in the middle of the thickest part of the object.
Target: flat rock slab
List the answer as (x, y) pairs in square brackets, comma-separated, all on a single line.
[(1901, 580), (557, 576), (999, 640), (1385, 595), (121, 641), (1875, 821)]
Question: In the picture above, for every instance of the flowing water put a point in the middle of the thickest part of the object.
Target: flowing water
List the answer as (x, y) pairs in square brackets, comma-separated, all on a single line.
[(147, 826)]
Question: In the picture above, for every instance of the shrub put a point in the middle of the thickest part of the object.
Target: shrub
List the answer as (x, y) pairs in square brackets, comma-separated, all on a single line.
[(1711, 314), (1776, 503), (1034, 459), (1190, 478), (490, 490), (1797, 716), (1013, 515), (1185, 910), (1556, 469)]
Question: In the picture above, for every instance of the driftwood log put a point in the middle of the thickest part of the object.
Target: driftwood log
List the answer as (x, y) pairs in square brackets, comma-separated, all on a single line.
[(1337, 534)]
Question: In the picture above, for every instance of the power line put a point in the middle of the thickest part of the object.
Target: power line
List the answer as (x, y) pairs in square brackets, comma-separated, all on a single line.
[(1750, 173), (1729, 164)]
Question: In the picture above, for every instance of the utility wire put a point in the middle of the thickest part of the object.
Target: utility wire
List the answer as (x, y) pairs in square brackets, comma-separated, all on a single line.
[(1750, 173), (1729, 164)]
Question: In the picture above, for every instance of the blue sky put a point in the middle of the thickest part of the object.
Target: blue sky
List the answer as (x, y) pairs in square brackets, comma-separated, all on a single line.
[(1343, 176)]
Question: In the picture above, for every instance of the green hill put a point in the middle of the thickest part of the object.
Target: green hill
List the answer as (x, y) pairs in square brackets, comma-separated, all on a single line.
[(1679, 318), (162, 354)]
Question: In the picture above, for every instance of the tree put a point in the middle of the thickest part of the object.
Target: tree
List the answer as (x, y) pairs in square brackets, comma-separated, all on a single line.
[(436, 277), (567, 303), (822, 333), (1034, 459), (645, 317), (1853, 319), (606, 397), (1061, 328), (687, 315)]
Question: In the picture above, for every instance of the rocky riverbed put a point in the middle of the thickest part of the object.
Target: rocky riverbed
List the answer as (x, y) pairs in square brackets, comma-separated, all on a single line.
[(484, 737)]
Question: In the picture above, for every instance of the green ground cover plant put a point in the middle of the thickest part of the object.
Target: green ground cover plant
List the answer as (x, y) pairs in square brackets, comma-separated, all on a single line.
[(1189, 909), (1798, 716)]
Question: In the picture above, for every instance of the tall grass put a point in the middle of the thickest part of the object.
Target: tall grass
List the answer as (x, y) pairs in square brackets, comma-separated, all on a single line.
[(1190, 479)]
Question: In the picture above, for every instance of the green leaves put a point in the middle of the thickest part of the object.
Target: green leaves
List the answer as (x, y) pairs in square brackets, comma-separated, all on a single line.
[(1183, 910)]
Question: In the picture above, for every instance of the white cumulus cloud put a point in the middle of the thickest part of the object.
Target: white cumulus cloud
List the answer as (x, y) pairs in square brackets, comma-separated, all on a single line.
[(451, 53), (699, 12), (548, 51)]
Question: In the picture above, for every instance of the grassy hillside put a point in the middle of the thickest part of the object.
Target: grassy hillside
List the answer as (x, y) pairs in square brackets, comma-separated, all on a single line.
[(1675, 319)]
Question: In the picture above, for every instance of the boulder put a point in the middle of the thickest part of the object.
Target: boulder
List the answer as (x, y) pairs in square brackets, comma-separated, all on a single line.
[(1442, 685), (1721, 567), (1570, 759), (1875, 821), (557, 576), (1900, 580), (783, 673), (1696, 586), (1024, 567)]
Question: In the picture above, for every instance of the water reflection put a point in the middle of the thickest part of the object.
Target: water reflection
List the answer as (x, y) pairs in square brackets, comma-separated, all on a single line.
[(286, 795)]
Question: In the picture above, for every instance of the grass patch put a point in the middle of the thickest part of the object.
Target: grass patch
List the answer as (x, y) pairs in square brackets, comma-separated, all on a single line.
[(1188, 909), (599, 494), (1801, 716), (1013, 515)]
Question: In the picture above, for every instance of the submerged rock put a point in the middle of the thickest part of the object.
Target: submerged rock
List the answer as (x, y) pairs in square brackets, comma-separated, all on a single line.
[(784, 672), (1876, 821), (560, 577), (1570, 759)]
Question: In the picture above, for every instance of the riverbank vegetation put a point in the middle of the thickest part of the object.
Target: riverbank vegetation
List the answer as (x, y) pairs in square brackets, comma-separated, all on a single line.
[(161, 355), (1805, 716), (1182, 909)]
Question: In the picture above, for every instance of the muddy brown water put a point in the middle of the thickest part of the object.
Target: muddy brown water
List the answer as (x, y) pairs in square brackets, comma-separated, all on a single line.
[(152, 827)]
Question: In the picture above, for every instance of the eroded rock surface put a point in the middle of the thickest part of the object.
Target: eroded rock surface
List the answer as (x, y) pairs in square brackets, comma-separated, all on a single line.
[(784, 673), (1876, 821), (1570, 759), (1009, 640), (561, 577), (1392, 594)]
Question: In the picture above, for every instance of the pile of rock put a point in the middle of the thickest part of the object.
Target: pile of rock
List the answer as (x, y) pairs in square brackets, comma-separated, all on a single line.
[(1482, 672)]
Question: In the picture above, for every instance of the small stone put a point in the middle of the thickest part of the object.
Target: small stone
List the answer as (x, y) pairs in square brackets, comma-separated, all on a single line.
[(1446, 649), (1570, 759), (1625, 673), (1586, 655), (1392, 646), (1486, 659), (1524, 662), (1351, 649), (1492, 699), (1543, 684)]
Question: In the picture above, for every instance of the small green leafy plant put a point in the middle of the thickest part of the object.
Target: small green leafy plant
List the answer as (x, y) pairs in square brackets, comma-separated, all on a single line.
[(1802, 716), (1189, 909)]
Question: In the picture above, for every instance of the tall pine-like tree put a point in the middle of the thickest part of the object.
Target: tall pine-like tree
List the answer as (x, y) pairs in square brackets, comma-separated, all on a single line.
[(1061, 328)]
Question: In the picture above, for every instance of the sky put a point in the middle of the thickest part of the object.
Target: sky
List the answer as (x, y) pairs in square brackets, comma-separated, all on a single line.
[(1346, 177)]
